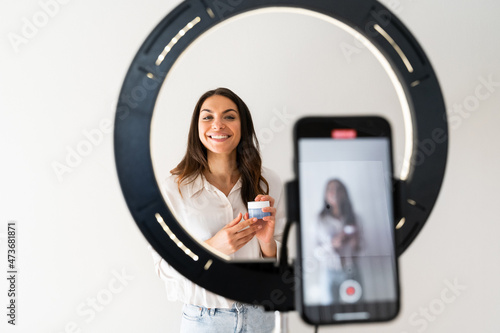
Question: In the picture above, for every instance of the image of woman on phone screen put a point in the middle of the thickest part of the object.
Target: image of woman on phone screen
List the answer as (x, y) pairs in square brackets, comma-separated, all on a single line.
[(338, 240), (208, 192)]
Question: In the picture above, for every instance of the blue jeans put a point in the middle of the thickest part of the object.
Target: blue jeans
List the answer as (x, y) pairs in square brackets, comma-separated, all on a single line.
[(241, 318)]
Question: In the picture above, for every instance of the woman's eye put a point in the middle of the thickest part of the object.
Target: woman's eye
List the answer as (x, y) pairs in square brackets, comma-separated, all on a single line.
[(211, 117)]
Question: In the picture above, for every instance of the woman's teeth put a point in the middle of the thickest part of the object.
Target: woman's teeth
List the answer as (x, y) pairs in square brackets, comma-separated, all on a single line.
[(220, 136)]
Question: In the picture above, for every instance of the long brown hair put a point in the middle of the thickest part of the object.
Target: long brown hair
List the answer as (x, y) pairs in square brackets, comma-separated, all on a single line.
[(248, 158), (346, 211)]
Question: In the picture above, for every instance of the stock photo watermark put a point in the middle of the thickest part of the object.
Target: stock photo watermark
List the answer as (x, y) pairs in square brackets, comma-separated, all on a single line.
[(457, 113), (75, 155), (222, 8), (12, 272), (89, 309), (33, 24), (383, 17), (280, 120), (129, 102), (426, 147), (429, 313)]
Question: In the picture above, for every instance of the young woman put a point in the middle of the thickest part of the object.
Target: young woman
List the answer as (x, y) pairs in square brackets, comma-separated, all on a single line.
[(208, 193), (338, 239)]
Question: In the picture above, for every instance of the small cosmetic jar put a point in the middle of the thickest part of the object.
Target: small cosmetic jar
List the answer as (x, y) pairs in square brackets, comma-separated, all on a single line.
[(255, 209)]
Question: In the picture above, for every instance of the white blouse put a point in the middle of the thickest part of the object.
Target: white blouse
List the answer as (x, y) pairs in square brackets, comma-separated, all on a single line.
[(203, 210)]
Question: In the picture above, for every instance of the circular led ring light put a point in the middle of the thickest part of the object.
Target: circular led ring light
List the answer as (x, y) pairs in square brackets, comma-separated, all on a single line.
[(383, 34)]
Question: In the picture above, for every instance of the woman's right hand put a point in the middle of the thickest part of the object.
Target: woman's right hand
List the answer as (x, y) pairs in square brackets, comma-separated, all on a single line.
[(232, 237), (337, 241)]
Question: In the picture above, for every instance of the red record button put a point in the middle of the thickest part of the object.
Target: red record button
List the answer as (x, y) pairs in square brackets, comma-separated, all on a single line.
[(350, 291)]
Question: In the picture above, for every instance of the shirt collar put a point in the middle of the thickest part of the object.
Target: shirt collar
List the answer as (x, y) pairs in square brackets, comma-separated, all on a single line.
[(196, 185), (237, 186), (201, 182)]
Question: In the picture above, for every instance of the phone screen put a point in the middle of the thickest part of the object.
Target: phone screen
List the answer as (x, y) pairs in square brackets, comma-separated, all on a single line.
[(347, 249)]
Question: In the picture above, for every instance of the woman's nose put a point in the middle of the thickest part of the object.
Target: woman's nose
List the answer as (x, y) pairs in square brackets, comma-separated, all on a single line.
[(217, 124)]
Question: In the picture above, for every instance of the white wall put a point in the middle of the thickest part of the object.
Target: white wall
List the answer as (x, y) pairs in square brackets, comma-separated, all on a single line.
[(75, 234)]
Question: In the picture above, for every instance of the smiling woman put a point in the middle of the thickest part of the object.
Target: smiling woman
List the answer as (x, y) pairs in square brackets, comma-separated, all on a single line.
[(208, 192)]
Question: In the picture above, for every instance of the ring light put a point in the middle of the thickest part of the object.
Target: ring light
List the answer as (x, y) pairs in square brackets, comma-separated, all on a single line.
[(384, 35)]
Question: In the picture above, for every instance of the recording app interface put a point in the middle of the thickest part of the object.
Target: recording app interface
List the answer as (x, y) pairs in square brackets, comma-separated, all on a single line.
[(346, 221)]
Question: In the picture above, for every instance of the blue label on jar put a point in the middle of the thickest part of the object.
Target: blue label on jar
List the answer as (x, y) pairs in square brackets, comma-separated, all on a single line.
[(258, 213)]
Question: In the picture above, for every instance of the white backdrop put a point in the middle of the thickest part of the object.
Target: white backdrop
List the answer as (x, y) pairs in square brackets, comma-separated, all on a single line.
[(83, 264)]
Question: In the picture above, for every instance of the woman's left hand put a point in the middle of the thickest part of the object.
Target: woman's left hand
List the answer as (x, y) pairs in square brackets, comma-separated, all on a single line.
[(265, 235)]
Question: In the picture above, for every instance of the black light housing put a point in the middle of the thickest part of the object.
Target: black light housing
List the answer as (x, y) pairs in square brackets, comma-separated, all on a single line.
[(264, 283)]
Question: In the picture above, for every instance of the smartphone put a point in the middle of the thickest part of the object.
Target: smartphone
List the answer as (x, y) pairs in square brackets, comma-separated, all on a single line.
[(347, 265)]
